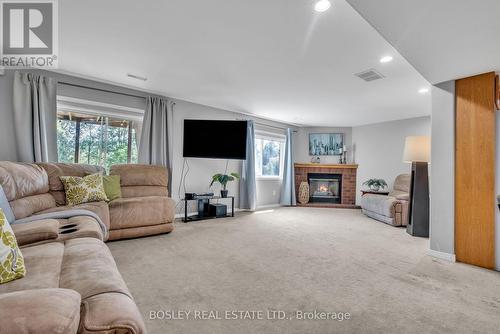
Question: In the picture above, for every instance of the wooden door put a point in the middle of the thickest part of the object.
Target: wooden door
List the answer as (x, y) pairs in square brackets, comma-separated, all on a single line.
[(475, 170)]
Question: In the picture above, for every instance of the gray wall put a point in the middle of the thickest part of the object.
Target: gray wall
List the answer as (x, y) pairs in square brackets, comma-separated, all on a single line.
[(442, 229), (378, 148), (201, 170), (301, 150)]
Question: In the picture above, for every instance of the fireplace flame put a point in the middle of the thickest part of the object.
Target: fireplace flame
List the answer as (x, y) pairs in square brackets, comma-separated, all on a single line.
[(323, 188)]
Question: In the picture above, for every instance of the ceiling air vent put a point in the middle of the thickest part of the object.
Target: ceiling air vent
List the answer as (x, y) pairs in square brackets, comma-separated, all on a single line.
[(369, 75)]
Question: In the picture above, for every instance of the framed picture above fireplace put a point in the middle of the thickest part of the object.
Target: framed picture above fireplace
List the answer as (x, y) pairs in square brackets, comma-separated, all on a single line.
[(326, 143)]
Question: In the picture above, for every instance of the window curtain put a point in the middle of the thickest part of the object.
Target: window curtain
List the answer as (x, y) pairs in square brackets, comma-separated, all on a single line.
[(153, 146), (35, 117), (288, 185), (248, 192), (155, 143)]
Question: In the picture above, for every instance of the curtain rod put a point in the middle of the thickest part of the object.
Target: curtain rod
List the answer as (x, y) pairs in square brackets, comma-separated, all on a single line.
[(273, 126), (100, 89)]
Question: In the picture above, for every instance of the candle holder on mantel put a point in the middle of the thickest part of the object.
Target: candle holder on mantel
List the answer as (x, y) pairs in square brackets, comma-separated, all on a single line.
[(316, 160), (343, 155)]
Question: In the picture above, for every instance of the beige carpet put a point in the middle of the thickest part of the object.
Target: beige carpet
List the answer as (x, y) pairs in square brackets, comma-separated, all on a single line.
[(305, 259)]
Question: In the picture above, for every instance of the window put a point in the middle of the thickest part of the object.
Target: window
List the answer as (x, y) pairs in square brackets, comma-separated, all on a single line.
[(96, 140), (268, 156)]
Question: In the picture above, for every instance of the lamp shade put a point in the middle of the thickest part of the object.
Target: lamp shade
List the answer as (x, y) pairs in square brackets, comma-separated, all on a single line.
[(417, 149)]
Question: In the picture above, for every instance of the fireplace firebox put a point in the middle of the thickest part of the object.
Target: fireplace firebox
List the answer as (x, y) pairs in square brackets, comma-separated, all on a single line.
[(325, 188)]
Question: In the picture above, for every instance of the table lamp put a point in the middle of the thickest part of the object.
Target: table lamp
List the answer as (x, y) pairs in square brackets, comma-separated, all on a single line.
[(417, 151)]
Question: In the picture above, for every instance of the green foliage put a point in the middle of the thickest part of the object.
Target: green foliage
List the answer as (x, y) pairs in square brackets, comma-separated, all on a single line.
[(66, 141), (223, 179), (99, 144), (375, 183)]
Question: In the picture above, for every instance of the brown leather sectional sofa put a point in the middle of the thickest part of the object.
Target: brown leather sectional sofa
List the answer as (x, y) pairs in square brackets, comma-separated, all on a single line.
[(72, 284)]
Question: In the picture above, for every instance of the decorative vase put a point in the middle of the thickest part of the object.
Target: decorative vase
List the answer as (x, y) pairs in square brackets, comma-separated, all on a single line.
[(304, 193), (223, 193)]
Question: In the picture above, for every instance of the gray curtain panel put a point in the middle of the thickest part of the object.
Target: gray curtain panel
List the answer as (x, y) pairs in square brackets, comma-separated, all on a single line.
[(288, 186), (35, 117), (248, 192), (154, 143)]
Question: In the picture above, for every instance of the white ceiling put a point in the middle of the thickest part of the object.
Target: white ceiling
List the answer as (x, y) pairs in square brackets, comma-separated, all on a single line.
[(277, 59), (445, 39)]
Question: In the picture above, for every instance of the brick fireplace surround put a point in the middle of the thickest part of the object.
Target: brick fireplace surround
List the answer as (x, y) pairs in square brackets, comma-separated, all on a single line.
[(348, 173)]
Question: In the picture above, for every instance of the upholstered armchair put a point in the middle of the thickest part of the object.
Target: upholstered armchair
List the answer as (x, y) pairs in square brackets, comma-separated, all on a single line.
[(391, 209)]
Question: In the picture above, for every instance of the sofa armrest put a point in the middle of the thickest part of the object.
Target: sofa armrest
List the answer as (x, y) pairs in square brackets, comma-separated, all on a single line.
[(36, 231), (400, 212), (403, 197), (40, 311)]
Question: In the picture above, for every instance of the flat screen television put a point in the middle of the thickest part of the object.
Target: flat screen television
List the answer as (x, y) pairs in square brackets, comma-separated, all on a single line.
[(215, 139)]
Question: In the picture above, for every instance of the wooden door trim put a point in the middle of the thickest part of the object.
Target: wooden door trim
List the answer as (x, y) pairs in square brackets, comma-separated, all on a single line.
[(475, 170)]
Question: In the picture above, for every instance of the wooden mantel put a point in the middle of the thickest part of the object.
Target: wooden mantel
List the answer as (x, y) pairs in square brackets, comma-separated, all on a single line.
[(314, 165)]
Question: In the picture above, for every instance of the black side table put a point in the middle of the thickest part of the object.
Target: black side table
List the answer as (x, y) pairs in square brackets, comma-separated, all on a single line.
[(202, 201), (364, 192)]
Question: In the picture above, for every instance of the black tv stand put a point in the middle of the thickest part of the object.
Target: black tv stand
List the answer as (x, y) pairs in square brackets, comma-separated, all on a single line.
[(206, 199)]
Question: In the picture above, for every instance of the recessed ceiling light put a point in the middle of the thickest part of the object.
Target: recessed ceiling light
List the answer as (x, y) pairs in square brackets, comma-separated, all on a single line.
[(386, 59), (322, 6), (423, 90)]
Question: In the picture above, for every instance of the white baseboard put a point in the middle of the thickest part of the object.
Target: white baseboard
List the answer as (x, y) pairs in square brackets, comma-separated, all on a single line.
[(441, 255), (269, 206)]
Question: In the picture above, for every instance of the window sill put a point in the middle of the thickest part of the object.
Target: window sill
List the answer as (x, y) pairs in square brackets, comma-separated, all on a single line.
[(268, 178)]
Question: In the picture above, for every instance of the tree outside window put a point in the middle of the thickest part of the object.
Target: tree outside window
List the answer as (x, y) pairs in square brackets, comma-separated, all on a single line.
[(268, 157), (96, 140)]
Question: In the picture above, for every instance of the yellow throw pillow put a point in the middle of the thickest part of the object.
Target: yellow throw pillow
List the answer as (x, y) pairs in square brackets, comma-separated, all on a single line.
[(11, 260), (83, 189)]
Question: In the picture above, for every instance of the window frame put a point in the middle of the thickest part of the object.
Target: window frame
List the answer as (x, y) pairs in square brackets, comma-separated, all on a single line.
[(276, 137), (99, 109)]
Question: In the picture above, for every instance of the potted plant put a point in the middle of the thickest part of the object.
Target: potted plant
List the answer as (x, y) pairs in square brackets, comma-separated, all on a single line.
[(375, 184), (223, 179)]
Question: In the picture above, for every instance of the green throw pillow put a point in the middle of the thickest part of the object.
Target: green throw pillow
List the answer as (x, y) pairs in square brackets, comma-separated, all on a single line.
[(86, 189), (11, 260), (112, 187)]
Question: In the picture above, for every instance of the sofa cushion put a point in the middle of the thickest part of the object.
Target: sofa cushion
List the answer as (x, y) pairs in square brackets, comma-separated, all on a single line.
[(141, 175), (89, 268), (85, 189), (141, 211), (54, 311), (112, 186), (142, 231), (100, 314), (402, 183), (33, 232), (28, 206), (55, 170), (43, 265), (379, 204), (101, 209), (142, 180), (20, 180), (26, 188), (11, 259)]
